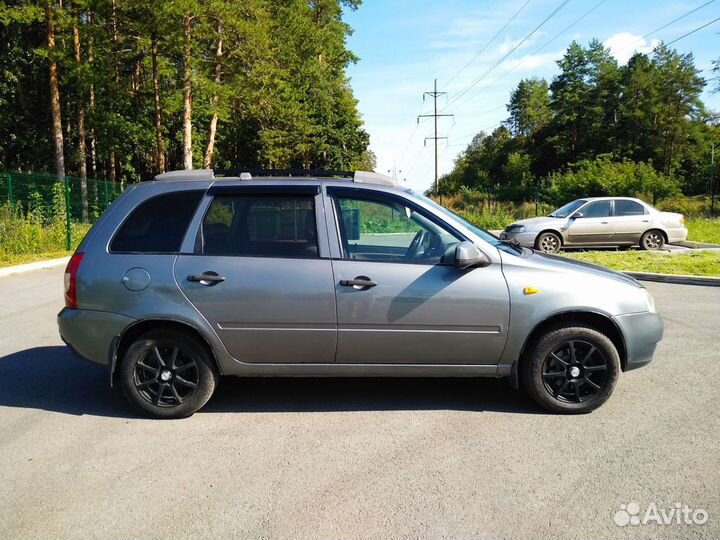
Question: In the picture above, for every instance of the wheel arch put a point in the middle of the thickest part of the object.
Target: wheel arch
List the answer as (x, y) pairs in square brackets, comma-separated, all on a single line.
[(658, 229), (600, 321), (553, 231), (137, 328)]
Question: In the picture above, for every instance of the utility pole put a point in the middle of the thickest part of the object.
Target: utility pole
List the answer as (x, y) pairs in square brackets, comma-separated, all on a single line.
[(434, 94), (712, 181)]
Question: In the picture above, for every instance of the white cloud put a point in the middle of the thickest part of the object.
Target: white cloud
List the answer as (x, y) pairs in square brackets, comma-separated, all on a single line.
[(531, 62), (624, 44)]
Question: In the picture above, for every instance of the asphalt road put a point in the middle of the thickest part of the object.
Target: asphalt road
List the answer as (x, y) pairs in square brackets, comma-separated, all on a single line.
[(359, 459)]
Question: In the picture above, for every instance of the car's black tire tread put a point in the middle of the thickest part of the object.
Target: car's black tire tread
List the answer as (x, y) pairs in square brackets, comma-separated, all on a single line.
[(209, 376), (531, 367)]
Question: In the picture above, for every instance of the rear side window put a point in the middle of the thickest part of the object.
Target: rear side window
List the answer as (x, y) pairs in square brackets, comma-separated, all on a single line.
[(628, 208), (260, 226), (157, 225)]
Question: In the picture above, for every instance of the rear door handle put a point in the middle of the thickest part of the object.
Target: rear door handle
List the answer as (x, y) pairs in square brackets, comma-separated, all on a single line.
[(206, 278), (360, 282)]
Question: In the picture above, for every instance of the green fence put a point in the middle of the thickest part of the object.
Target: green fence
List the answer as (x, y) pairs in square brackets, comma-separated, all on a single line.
[(48, 201)]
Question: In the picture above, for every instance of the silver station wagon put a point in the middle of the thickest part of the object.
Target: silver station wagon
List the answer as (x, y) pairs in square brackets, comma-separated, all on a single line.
[(599, 222), (200, 274)]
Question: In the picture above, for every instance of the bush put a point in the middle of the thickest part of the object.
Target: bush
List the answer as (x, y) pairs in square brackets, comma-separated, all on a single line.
[(602, 177), (690, 207)]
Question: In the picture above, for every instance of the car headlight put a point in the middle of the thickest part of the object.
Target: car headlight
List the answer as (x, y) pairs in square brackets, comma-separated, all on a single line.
[(650, 301), (515, 228)]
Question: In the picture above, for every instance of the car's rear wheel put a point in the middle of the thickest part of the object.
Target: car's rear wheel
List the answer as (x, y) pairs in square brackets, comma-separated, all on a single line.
[(167, 374), (571, 369), (652, 239), (548, 242)]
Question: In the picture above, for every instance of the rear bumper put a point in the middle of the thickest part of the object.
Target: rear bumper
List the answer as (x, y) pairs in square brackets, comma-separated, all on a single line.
[(642, 332), (677, 235), (90, 334)]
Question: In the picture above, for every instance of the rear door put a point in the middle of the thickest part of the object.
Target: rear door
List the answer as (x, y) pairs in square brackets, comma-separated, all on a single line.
[(261, 274), (398, 300), (593, 225), (630, 219)]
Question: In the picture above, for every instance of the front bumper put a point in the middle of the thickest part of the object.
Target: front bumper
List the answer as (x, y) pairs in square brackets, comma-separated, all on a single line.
[(525, 239), (641, 332), (90, 334)]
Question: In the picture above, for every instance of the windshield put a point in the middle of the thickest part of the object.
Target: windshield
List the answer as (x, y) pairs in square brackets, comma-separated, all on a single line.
[(569, 208), (489, 238)]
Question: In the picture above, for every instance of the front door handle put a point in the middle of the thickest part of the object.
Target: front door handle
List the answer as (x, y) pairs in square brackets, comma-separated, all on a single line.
[(360, 282), (206, 278), (603, 223)]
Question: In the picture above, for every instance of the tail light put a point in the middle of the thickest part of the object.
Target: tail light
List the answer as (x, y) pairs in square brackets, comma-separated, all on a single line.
[(682, 220), (71, 280)]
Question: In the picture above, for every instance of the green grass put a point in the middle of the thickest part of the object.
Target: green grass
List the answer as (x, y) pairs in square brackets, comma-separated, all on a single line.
[(702, 263), (704, 230), (8, 259)]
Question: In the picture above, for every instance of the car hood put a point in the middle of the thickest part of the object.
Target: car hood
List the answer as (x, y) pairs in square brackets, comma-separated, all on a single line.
[(558, 264), (544, 222)]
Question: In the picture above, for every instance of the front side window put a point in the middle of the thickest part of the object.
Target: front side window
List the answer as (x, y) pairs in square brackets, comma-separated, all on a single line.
[(628, 208), (389, 231), (260, 226), (599, 209), (157, 225)]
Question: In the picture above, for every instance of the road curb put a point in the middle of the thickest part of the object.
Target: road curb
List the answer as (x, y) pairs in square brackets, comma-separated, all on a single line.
[(708, 281), (39, 265)]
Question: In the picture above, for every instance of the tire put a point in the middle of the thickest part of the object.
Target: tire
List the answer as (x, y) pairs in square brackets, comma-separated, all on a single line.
[(548, 242), (584, 382), (652, 239), (190, 371)]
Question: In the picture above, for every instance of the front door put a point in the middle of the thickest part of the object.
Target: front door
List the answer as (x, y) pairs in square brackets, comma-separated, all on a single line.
[(397, 299), (258, 278), (591, 224)]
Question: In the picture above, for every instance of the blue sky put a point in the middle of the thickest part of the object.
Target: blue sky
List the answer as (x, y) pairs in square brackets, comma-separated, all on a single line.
[(404, 44)]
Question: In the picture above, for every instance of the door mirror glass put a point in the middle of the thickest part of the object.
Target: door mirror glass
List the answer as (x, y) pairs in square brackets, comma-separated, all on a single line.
[(468, 255)]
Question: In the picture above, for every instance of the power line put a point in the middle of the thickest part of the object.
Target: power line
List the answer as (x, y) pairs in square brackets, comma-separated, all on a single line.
[(676, 20), (488, 43), (536, 51), (693, 31), (474, 83)]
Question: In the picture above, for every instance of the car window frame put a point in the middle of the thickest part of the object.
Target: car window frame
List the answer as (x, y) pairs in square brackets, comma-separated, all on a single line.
[(202, 192), (588, 203), (311, 191), (615, 214), (335, 192)]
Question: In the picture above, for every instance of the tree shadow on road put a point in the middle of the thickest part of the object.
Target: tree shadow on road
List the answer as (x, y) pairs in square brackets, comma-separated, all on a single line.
[(52, 379)]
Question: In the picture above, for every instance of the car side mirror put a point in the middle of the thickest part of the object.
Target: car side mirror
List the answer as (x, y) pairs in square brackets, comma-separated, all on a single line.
[(468, 255), (577, 215)]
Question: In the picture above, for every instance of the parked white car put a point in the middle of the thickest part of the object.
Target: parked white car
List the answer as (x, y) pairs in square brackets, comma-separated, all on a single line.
[(599, 222)]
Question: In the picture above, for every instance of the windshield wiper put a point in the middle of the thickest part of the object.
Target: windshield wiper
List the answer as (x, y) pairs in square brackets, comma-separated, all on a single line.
[(513, 244)]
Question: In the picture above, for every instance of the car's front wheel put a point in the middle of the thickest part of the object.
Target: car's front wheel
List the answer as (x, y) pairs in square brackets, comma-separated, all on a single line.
[(166, 374), (571, 369), (548, 242)]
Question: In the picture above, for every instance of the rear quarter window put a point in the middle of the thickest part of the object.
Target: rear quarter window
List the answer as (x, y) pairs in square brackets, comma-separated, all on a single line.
[(157, 225)]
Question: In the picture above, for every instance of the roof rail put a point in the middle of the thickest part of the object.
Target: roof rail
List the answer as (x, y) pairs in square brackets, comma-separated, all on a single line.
[(361, 177), (365, 177), (193, 174), (312, 173)]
